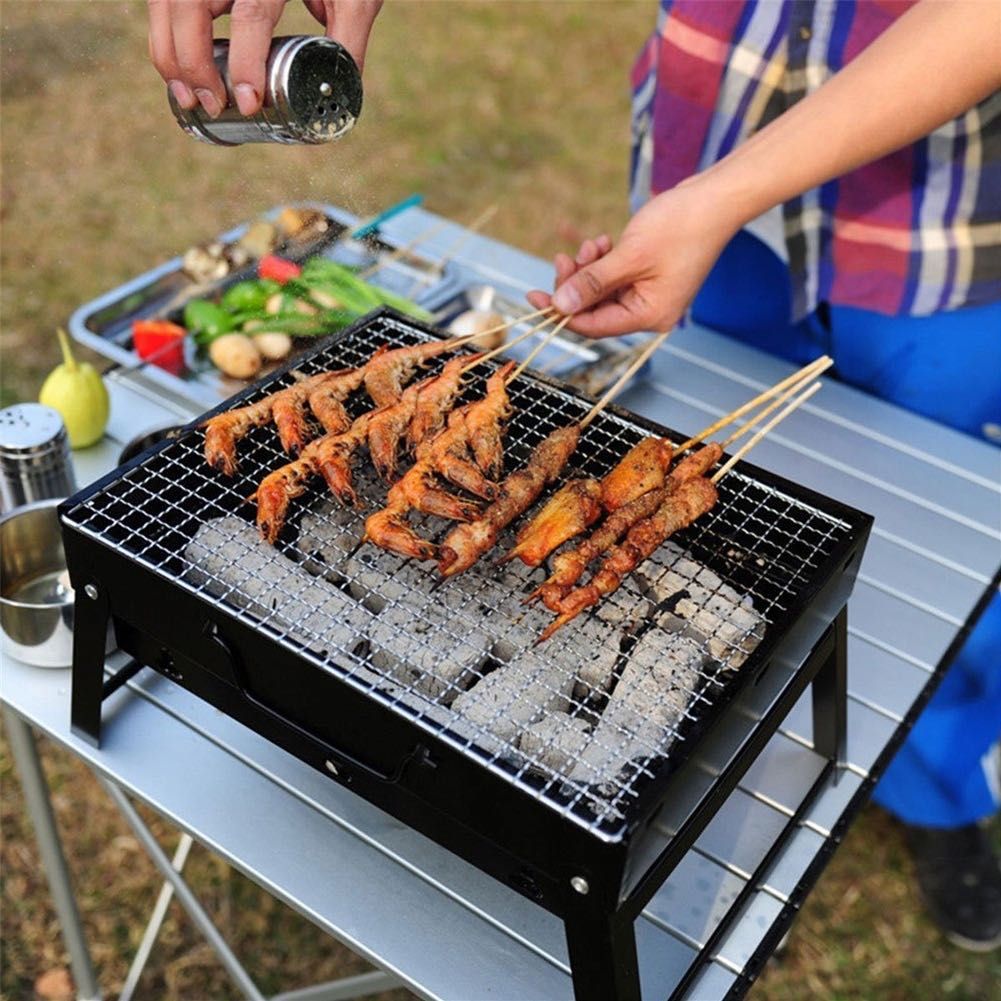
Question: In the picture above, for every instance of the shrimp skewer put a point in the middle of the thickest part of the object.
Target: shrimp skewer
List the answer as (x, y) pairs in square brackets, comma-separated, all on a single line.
[(285, 407)]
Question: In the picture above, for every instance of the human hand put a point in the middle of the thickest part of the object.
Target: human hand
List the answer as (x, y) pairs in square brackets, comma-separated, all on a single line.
[(647, 280), (180, 44)]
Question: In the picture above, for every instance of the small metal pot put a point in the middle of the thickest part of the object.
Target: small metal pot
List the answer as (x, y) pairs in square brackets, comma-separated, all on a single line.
[(146, 440), (36, 599)]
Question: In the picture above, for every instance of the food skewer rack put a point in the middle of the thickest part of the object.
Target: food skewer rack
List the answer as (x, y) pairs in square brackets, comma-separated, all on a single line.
[(339, 654)]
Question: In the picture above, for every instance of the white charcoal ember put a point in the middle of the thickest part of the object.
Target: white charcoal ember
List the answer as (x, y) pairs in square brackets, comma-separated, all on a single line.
[(731, 631), (426, 650), (555, 741), (595, 649), (515, 695), (675, 660), (229, 560)]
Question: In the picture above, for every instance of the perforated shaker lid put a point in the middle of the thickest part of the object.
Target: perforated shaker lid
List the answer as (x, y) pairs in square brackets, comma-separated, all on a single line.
[(30, 429)]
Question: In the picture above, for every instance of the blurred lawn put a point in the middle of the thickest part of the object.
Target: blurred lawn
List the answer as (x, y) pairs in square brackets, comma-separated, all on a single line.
[(523, 104)]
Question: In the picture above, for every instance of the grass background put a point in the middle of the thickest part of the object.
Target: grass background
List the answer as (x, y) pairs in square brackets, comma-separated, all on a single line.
[(524, 104)]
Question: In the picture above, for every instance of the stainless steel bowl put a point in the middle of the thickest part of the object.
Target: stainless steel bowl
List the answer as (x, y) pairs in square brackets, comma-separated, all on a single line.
[(36, 600)]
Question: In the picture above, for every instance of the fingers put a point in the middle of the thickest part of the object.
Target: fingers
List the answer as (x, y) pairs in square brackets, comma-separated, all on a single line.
[(539, 299), (251, 26), (591, 250), (594, 282), (161, 52), (191, 30), (349, 22)]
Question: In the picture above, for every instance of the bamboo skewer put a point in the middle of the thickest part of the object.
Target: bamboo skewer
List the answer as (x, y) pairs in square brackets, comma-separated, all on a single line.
[(774, 405), (616, 386), (779, 417), (500, 349), (814, 368), (538, 347)]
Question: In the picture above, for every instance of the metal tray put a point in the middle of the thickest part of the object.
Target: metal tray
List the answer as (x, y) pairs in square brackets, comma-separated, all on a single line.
[(105, 324)]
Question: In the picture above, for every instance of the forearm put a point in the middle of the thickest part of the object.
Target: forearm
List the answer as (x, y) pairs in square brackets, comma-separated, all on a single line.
[(937, 61)]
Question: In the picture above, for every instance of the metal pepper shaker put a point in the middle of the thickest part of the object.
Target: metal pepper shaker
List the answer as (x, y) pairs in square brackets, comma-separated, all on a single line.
[(312, 94), (35, 461)]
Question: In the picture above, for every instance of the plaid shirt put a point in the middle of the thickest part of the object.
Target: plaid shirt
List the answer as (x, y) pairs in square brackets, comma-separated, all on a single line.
[(916, 232)]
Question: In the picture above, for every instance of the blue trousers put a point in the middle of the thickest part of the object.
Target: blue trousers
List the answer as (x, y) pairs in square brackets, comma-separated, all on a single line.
[(946, 367)]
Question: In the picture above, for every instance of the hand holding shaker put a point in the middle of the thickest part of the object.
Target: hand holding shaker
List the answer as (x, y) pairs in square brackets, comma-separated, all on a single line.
[(312, 94)]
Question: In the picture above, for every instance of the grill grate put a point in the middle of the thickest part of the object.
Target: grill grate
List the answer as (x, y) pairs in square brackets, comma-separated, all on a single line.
[(459, 658)]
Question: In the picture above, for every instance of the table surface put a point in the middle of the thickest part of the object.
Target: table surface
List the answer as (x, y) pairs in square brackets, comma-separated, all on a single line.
[(400, 900)]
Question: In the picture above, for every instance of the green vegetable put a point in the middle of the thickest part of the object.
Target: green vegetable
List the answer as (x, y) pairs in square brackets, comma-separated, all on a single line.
[(354, 294), (77, 391), (248, 296), (206, 320)]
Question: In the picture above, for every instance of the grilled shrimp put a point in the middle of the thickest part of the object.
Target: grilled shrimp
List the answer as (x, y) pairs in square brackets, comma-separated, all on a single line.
[(386, 373), (464, 545), (327, 400), (436, 398), (485, 421), (389, 529), (387, 428), (276, 491), (285, 408), (450, 456)]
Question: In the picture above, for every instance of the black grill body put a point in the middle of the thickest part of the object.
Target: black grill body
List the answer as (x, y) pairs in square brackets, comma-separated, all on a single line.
[(596, 866)]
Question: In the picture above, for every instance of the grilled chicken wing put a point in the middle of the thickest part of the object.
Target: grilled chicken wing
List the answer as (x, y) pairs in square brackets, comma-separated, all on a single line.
[(567, 513), (680, 508), (464, 545), (569, 567), (644, 467)]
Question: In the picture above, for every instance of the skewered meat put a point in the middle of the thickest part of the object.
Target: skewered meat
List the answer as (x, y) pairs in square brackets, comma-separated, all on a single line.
[(569, 567), (286, 407), (386, 374), (680, 508), (466, 543), (644, 467), (567, 513)]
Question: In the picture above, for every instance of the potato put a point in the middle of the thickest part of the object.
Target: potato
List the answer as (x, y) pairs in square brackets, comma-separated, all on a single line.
[(235, 355), (273, 346)]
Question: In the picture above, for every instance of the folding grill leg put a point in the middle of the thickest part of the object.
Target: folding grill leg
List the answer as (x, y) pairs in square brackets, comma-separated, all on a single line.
[(90, 636), (830, 698), (603, 961)]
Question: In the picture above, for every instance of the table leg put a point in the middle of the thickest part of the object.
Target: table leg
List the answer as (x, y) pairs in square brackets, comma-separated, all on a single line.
[(830, 698), (603, 961), (36, 796)]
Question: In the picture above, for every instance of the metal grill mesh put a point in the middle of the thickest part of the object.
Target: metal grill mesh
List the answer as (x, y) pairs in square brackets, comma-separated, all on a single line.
[(667, 645)]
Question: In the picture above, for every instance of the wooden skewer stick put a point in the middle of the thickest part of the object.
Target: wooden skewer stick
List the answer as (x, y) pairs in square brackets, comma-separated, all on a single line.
[(514, 340), (790, 380), (616, 386), (774, 405), (538, 347), (779, 417)]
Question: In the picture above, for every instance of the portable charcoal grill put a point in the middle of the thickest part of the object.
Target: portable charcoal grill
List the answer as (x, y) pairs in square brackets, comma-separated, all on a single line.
[(365, 667)]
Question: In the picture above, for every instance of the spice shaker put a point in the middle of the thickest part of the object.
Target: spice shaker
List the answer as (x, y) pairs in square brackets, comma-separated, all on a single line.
[(312, 94), (35, 459)]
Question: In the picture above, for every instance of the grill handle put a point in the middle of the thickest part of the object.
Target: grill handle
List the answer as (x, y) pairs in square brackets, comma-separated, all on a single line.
[(336, 757)]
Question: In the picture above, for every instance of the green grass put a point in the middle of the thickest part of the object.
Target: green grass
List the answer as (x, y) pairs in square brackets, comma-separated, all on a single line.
[(523, 104)]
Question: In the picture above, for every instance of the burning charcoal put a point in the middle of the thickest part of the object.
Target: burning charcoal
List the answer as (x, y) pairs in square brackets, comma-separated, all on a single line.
[(426, 651), (555, 741), (229, 560), (731, 631), (674, 660), (514, 696), (595, 649)]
